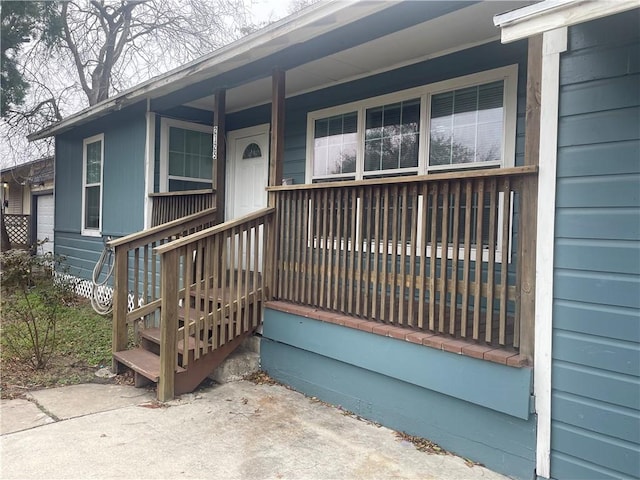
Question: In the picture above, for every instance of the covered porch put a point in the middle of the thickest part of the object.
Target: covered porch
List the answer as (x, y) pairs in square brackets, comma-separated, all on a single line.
[(444, 259)]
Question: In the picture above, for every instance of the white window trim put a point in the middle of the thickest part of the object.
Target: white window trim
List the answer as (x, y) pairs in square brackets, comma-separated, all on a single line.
[(92, 232), (508, 73), (165, 124)]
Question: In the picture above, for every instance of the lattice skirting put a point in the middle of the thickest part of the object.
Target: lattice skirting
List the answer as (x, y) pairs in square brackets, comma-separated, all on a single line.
[(84, 288)]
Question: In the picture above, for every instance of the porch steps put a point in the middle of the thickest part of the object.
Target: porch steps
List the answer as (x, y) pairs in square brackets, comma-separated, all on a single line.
[(144, 361), (151, 338)]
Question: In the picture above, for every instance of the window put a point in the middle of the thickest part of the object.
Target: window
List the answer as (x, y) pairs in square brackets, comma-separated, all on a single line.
[(467, 126), (334, 146), (252, 151), (186, 156), (92, 162), (391, 137), (467, 122)]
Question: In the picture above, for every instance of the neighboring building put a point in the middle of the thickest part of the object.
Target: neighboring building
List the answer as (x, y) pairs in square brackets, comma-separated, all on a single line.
[(27, 200), (366, 180)]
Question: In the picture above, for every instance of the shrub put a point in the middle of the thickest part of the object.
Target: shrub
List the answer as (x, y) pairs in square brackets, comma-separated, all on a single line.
[(31, 298)]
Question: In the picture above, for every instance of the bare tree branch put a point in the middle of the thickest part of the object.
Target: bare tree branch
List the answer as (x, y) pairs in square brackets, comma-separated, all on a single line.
[(108, 46)]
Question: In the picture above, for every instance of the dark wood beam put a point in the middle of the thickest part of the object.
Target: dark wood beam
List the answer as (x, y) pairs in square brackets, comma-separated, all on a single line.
[(276, 157), (220, 152), (528, 217)]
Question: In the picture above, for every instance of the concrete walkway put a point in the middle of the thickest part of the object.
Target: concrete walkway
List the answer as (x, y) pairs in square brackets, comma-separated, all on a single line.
[(234, 431)]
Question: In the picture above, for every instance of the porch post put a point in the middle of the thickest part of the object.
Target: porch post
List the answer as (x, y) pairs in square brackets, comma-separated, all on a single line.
[(276, 158), (168, 325), (277, 131), (120, 304), (528, 217), (220, 152)]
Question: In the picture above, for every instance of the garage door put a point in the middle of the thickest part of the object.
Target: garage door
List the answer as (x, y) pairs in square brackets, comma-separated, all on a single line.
[(44, 223)]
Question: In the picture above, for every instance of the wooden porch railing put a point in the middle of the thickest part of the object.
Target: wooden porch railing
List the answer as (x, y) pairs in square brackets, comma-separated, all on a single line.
[(213, 280), (169, 206), (137, 272), (435, 253), (18, 228)]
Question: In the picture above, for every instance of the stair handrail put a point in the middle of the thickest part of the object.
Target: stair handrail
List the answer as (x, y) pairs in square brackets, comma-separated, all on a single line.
[(171, 291), (162, 231), (123, 247), (167, 247)]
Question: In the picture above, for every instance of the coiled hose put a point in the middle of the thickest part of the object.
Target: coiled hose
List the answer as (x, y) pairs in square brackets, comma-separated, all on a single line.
[(102, 304)]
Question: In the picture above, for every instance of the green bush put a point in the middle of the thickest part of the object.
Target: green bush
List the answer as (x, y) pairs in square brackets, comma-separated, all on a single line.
[(31, 300)]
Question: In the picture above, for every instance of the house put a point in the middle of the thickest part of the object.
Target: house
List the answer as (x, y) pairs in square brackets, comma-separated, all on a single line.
[(587, 345), (27, 203), (435, 229)]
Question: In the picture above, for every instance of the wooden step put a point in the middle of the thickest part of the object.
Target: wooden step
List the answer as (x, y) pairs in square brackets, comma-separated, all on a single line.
[(194, 314), (143, 362), (153, 335)]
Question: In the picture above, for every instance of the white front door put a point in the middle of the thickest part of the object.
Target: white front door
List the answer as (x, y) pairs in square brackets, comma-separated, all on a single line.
[(247, 170), (247, 178)]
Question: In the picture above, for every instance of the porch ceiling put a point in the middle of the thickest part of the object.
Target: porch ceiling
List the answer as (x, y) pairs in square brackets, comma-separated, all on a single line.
[(454, 31)]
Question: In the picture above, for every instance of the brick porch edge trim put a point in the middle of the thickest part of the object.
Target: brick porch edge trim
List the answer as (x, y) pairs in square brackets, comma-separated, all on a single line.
[(428, 339)]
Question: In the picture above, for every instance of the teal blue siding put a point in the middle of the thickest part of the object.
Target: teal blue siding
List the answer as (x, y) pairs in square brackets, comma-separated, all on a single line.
[(477, 409), (596, 314), (124, 147), (81, 253), (123, 186)]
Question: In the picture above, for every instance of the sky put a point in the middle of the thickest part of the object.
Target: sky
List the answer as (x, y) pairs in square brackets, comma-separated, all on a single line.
[(262, 11), (268, 9)]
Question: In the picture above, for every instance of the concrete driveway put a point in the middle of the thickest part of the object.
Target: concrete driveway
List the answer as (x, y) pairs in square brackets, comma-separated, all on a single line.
[(238, 430)]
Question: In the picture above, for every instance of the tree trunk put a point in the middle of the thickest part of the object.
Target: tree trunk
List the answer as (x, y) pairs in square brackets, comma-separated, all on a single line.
[(6, 244)]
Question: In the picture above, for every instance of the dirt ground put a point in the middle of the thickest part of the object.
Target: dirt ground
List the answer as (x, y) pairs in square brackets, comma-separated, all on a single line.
[(17, 378)]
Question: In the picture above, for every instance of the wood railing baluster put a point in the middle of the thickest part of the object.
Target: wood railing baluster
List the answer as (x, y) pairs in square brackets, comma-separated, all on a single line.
[(490, 267), (434, 202), (330, 249), (393, 315), (424, 192), (413, 249), (477, 295), (403, 211), (376, 242), (453, 295), (444, 255)]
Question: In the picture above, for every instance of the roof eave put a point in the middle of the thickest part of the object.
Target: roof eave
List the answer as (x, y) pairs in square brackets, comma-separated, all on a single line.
[(296, 23), (551, 14)]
